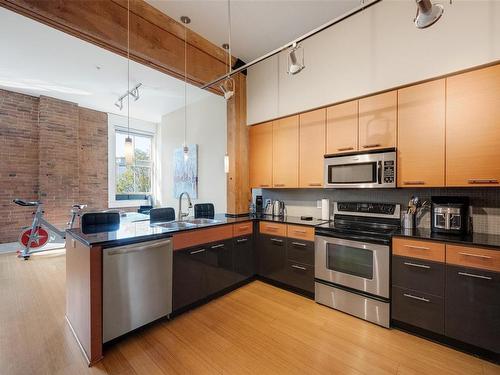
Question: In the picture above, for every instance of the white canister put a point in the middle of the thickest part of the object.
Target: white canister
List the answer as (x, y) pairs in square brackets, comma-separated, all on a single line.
[(325, 209)]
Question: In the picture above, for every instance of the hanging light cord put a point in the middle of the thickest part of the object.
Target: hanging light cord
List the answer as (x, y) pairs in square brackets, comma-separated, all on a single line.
[(229, 37), (128, 68), (185, 84)]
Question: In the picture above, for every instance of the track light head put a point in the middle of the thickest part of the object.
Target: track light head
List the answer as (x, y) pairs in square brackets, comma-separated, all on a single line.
[(119, 104), (294, 66), (427, 13), (227, 88)]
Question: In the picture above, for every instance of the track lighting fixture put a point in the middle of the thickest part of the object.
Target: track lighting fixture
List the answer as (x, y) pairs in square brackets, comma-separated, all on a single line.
[(228, 86), (427, 13), (134, 93), (294, 66)]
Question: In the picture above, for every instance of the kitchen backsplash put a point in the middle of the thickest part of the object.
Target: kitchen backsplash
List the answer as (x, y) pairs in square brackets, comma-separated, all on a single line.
[(485, 201)]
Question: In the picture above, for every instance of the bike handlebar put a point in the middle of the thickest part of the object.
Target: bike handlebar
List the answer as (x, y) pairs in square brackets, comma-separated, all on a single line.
[(20, 202)]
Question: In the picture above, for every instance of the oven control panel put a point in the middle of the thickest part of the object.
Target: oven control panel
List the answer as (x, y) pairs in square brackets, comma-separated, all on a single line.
[(372, 208)]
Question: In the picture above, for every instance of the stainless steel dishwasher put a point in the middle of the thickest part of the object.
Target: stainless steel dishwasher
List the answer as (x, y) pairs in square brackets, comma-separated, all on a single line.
[(137, 286)]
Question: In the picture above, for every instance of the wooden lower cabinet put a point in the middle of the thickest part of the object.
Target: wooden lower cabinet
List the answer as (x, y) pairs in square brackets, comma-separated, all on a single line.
[(473, 306)]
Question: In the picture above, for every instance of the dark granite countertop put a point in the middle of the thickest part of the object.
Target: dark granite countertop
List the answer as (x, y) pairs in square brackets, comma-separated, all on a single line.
[(473, 239), (139, 229)]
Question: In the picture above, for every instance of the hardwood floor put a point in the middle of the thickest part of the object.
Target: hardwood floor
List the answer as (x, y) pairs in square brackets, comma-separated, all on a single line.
[(257, 329)]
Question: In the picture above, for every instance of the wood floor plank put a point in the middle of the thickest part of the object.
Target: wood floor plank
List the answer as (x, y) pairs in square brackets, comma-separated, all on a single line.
[(256, 329)]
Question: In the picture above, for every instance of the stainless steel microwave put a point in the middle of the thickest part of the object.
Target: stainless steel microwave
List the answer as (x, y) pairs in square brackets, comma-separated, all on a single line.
[(372, 169)]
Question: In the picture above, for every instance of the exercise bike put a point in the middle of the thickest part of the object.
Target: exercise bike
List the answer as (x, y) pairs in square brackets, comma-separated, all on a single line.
[(32, 239)]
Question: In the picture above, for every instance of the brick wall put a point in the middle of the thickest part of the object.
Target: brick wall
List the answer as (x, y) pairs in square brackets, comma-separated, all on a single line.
[(50, 150), (18, 160)]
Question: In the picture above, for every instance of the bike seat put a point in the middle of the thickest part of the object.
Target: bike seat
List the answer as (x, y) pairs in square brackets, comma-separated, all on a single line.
[(79, 206), (20, 202)]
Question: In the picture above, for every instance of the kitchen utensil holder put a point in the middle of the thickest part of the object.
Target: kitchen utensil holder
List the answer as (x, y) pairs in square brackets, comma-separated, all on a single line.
[(408, 220)]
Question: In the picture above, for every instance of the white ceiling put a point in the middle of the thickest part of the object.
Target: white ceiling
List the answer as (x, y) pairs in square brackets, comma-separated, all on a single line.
[(258, 26), (39, 60)]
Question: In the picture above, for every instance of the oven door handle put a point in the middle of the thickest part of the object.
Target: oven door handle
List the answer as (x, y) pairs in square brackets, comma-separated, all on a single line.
[(379, 172)]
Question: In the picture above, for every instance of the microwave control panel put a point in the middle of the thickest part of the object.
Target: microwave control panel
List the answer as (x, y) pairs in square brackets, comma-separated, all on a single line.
[(389, 173)]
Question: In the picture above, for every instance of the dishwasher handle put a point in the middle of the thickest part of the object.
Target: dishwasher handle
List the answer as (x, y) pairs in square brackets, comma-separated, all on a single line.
[(137, 247)]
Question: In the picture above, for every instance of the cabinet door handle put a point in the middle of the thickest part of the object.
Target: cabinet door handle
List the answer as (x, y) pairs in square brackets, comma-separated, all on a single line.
[(279, 185), (483, 181), (263, 185), (417, 298), (299, 244), (414, 182), (371, 146), (197, 251), (299, 267), (417, 247), (217, 246), (416, 265), (276, 240), (242, 240), (345, 148), (314, 184), (475, 255), (466, 274)]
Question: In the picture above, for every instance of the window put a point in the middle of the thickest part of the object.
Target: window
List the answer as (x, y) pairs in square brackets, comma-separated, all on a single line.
[(133, 182)]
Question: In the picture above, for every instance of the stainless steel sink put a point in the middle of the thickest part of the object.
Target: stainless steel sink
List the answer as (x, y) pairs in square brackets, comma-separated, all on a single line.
[(202, 221), (175, 225)]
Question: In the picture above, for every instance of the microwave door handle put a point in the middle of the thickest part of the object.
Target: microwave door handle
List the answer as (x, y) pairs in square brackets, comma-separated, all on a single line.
[(379, 172)]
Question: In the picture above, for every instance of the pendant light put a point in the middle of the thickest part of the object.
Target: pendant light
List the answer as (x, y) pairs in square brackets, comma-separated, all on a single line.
[(427, 13), (185, 20), (228, 85), (129, 146)]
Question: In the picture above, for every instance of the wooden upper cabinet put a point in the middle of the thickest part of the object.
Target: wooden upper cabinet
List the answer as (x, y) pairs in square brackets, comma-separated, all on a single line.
[(421, 130), (342, 128), (377, 121), (261, 155), (286, 152), (473, 128), (312, 139)]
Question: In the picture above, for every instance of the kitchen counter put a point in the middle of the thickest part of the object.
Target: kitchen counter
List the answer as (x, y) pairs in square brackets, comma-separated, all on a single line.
[(133, 231), (474, 239)]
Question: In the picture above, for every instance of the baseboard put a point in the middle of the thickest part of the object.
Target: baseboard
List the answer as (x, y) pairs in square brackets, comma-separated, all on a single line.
[(9, 247)]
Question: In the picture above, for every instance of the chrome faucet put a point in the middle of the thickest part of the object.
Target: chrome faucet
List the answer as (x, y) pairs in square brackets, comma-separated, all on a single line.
[(181, 214)]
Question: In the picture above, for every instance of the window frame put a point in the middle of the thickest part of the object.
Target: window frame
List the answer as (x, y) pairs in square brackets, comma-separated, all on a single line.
[(118, 124)]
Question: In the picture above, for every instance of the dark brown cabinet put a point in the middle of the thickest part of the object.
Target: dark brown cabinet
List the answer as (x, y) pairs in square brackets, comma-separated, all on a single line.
[(243, 258), (272, 257), (202, 271), (473, 306), (418, 274)]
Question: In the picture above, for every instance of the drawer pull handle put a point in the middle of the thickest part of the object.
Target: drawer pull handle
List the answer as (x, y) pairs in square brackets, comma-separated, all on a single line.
[(475, 255), (371, 146), (271, 227), (417, 247), (345, 148), (466, 274), (197, 251), (483, 181), (301, 231), (299, 244), (299, 267), (217, 246), (242, 240), (414, 182), (416, 265), (314, 184), (243, 227), (276, 240), (417, 298)]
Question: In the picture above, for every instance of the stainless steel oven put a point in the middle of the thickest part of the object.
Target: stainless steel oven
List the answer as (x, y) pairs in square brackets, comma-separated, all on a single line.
[(372, 169), (362, 266)]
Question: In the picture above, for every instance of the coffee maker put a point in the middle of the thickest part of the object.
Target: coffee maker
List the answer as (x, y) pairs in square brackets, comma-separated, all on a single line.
[(450, 215)]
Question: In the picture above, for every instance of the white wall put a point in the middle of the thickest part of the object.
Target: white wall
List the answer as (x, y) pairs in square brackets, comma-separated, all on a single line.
[(207, 123), (376, 49)]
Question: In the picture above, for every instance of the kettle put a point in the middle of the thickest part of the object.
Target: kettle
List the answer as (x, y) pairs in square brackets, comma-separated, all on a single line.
[(279, 209)]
